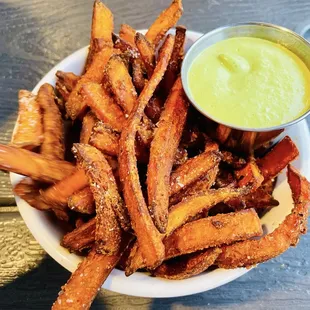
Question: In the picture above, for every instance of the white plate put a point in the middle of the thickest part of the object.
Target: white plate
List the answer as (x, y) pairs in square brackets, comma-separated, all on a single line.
[(48, 234)]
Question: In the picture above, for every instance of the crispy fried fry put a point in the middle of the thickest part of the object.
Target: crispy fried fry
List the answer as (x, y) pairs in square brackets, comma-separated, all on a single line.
[(109, 204), (153, 108), (192, 170), (120, 83), (188, 265), (80, 238), (89, 121), (65, 83), (53, 142), (167, 19), (278, 158), (82, 201), (105, 139), (181, 157), (85, 282), (126, 48), (101, 29), (127, 33), (147, 52), (76, 105), (57, 195), (103, 105), (251, 252), (138, 74), (263, 138), (147, 234), (176, 59), (212, 232), (38, 167), (222, 133), (164, 146), (232, 160), (28, 132)]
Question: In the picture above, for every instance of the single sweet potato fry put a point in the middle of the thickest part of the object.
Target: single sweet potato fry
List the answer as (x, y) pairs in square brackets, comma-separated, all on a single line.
[(103, 105), (166, 139), (66, 81), (278, 158), (84, 283), (38, 167), (147, 234), (76, 105), (110, 209), (138, 74), (101, 29), (147, 52), (213, 231), (125, 47), (53, 127), (57, 195), (89, 121), (186, 266), (120, 83), (167, 19), (251, 252), (105, 139), (82, 201), (28, 132), (127, 33), (80, 238)]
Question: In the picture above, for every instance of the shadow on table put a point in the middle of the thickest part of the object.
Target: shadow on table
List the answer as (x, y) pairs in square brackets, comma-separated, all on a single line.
[(36, 289)]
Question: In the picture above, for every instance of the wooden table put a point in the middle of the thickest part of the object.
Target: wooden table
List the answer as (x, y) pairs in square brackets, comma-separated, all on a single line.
[(34, 36)]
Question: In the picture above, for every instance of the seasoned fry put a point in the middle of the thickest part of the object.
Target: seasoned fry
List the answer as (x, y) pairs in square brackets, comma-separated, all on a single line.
[(38, 166), (126, 48), (181, 157), (57, 195), (65, 83), (263, 138), (278, 158), (76, 105), (85, 282), (232, 160), (109, 204), (89, 121), (127, 33), (138, 74), (176, 59), (53, 142), (103, 105), (192, 170), (167, 19), (28, 132), (82, 201), (188, 265), (222, 133), (153, 108), (120, 83), (105, 139), (80, 238), (251, 252), (101, 29), (164, 145), (212, 232), (147, 234), (147, 52)]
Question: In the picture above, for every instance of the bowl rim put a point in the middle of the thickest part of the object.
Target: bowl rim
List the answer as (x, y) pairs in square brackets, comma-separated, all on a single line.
[(187, 62)]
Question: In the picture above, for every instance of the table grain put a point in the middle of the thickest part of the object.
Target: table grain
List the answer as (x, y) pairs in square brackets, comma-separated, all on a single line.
[(34, 36)]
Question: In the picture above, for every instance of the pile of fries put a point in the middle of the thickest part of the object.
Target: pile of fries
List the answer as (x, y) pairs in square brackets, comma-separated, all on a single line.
[(154, 184)]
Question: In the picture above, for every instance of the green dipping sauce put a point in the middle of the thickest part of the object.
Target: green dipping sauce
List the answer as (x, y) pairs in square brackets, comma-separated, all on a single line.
[(250, 82)]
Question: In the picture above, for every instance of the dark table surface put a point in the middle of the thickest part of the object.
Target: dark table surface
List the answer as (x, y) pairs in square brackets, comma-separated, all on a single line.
[(34, 36)]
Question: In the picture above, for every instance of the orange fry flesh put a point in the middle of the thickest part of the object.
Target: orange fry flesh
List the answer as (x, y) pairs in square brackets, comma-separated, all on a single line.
[(29, 131), (127, 33), (251, 252), (57, 195), (84, 283), (212, 232), (167, 19), (76, 105), (278, 158), (53, 142), (89, 121), (188, 265), (82, 201), (164, 145), (38, 166), (103, 105), (147, 234), (146, 51)]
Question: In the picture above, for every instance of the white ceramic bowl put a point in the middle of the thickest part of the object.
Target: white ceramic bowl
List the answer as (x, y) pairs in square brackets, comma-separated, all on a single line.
[(48, 234)]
